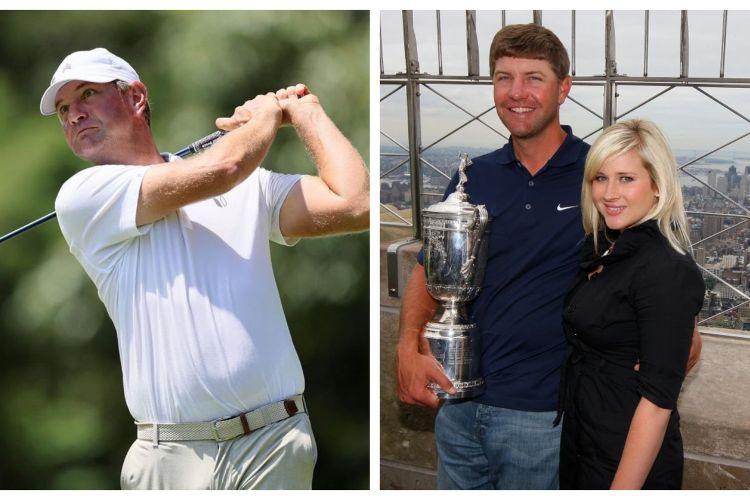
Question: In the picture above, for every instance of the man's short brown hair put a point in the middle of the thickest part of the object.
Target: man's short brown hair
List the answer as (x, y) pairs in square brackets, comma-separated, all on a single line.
[(530, 41)]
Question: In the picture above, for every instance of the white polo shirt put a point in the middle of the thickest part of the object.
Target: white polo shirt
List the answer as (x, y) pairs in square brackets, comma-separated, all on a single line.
[(200, 327)]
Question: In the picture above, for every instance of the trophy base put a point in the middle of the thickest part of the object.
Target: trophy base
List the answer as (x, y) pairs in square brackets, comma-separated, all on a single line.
[(468, 389), (457, 351)]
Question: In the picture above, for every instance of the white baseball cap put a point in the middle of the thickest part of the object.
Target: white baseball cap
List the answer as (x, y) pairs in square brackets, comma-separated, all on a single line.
[(96, 65)]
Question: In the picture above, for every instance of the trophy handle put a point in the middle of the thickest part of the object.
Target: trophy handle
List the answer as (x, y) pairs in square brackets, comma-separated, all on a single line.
[(484, 216), (475, 241)]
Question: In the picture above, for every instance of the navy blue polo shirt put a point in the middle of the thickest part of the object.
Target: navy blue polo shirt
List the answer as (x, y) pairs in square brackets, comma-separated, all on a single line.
[(533, 254)]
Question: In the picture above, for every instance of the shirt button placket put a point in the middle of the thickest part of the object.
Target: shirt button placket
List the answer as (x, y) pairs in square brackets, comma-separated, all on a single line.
[(530, 183)]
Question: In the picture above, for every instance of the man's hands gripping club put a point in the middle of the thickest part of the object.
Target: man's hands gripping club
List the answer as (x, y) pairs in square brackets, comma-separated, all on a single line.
[(294, 101), (335, 201), (288, 103), (262, 107)]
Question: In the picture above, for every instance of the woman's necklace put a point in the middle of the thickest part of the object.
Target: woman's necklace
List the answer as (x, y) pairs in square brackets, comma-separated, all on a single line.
[(600, 267), (609, 250)]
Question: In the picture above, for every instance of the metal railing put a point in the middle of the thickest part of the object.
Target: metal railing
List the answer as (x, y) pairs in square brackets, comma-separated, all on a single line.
[(413, 82)]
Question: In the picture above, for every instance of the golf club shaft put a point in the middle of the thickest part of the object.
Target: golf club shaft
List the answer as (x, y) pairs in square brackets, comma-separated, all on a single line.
[(193, 148)]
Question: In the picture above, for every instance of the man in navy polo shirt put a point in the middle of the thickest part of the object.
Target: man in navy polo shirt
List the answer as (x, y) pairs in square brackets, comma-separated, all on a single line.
[(505, 438)]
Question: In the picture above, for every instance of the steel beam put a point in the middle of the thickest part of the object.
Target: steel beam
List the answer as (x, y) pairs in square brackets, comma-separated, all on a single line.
[(414, 121), (684, 45), (723, 43), (645, 44), (573, 42), (472, 45), (410, 44), (581, 80), (439, 42), (382, 68), (610, 69)]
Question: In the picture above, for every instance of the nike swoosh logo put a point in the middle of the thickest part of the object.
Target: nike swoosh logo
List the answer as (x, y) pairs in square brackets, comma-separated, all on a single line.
[(561, 208)]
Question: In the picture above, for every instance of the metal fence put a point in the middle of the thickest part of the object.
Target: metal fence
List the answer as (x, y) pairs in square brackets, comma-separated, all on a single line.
[(717, 207)]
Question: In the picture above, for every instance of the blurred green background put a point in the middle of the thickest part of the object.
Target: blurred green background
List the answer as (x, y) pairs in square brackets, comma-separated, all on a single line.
[(65, 424)]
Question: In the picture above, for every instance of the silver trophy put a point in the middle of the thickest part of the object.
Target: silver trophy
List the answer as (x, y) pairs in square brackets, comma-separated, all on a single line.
[(455, 254)]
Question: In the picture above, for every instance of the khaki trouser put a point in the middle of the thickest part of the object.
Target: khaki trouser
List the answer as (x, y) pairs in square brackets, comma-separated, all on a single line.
[(278, 456)]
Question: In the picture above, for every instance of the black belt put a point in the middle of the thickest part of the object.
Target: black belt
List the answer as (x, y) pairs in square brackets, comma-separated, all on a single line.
[(578, 356)]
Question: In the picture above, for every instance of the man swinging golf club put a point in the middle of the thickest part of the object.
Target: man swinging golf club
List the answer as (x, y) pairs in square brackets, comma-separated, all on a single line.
[(179, 252)]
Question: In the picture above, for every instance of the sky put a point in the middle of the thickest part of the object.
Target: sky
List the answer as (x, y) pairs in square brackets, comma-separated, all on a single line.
[(691, 120)]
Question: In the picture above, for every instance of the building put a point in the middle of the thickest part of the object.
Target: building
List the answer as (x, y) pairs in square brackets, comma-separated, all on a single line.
[(712, 224)]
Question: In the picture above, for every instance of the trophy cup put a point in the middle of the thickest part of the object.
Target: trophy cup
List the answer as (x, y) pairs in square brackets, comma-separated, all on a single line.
[(455, 254)]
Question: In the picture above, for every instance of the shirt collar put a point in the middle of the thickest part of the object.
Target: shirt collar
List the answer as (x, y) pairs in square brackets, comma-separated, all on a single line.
[(627, 243), (567, 154)]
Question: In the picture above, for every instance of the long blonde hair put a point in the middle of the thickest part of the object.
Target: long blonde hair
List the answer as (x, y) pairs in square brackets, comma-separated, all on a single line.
[(645, 138)]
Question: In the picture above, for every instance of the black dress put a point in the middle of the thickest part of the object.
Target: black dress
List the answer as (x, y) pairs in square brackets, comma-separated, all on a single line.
[(639, 309)]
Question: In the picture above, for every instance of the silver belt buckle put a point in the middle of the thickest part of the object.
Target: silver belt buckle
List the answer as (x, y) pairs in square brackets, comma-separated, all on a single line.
[(215, 431)]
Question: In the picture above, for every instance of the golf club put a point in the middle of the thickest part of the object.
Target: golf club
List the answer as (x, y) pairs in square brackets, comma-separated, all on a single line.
[(195, 147)]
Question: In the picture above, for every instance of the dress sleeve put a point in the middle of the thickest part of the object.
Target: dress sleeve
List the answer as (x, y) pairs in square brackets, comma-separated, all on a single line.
[(668, 295), (96, 210), (275, 187)]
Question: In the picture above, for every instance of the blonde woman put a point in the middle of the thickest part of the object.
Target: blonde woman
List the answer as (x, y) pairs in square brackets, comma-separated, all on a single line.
[(628, 318)]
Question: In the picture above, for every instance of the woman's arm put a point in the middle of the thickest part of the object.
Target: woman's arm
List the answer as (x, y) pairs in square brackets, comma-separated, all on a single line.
[(641, 446), (667, 294)]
